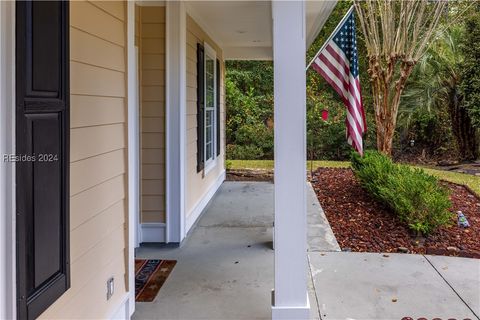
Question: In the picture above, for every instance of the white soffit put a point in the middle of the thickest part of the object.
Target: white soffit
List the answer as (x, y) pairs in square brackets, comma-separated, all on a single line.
[(244, 28), (317, 14)]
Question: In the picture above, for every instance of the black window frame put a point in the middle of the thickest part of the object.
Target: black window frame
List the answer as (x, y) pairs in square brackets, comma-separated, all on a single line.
[(201, 109)]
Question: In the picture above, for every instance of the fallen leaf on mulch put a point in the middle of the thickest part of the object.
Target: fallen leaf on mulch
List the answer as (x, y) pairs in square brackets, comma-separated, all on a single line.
[(362, 224)]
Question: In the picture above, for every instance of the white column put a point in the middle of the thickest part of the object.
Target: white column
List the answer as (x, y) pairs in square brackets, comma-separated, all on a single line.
[(7, 169), (290, 295), (176, 60)]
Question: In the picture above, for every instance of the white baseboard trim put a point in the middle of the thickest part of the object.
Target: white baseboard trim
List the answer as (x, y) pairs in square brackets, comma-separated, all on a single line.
[(123, 311), (288, 313), (153, 232), (193, 215), (131, 302)]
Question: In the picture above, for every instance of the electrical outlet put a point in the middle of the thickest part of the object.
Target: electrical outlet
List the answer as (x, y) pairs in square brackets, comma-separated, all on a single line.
[(110, 287)]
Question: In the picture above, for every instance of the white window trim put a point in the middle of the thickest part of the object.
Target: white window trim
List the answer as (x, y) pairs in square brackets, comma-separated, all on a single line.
[(211, 163)]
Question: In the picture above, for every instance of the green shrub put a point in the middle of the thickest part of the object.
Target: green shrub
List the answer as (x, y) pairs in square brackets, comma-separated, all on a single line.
[(415, 196), (244, 152), (228, 164)]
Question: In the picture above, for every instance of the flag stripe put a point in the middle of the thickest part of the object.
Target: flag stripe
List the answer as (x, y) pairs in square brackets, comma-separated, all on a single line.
[(353, 124), (341, 88), (328, 78), (359, 89), (336, 66), (335, 82), (337, 75), (355, 103), (355, 121), (351, 140), (338, 55), (339, 66)]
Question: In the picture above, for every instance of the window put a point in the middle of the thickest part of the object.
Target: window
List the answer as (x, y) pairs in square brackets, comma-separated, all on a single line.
[(208, 101), (210, 106)]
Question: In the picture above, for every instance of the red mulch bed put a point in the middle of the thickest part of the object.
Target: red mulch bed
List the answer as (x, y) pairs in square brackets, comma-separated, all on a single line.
[(360, 223)]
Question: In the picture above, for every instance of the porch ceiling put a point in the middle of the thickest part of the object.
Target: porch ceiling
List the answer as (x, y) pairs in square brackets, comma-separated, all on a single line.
[(244, 28)]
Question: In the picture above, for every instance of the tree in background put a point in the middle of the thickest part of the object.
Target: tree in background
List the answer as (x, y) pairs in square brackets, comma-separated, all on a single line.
[(249, 99), (435, 88), (470, 70), (397, 34)]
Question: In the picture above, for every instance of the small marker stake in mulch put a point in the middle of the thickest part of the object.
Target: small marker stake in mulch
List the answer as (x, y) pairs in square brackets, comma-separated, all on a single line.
[(462, 220)]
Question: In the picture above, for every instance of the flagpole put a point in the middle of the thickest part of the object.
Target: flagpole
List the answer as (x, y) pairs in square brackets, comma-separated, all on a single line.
[(331, 36)]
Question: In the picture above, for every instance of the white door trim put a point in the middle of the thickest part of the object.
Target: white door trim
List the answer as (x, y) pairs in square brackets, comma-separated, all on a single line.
[(133, 153), (136, 147), (7, 169), (175, 113)]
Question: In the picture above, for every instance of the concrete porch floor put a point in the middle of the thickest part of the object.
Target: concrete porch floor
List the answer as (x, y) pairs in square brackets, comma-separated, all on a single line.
[(225, 270), (225, 267)]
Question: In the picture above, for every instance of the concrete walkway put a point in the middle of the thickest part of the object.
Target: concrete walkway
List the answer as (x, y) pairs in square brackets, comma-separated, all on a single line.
[(225, 270), (376, 286)]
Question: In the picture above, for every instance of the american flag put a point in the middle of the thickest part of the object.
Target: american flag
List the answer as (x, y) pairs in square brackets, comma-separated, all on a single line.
[(337, 62)]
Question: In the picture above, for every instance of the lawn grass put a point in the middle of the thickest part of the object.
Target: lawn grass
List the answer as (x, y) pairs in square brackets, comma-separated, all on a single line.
[(460, 178)]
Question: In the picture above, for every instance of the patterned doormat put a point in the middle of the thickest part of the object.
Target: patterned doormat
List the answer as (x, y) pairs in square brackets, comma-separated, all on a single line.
[(150, 275)]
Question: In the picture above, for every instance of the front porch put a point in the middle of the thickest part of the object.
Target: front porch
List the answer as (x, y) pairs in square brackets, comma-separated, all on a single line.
[(225, 270), (225, 266)]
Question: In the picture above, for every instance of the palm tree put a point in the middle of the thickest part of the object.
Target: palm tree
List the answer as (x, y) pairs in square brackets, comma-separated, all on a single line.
[(435, 87)]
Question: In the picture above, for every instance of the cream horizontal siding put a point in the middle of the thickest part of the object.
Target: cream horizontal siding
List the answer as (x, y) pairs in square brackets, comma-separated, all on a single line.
[(153, 172), (92, 19), (96, 81), (89, 49), (86, 111), (98, 240), (197, 185), (92, 171), (107, 138), (152, 140), (152, 77), (95, 200), (153, 187)]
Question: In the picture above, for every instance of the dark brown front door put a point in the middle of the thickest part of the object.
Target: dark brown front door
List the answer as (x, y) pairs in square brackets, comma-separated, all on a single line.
[(42, 148)]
